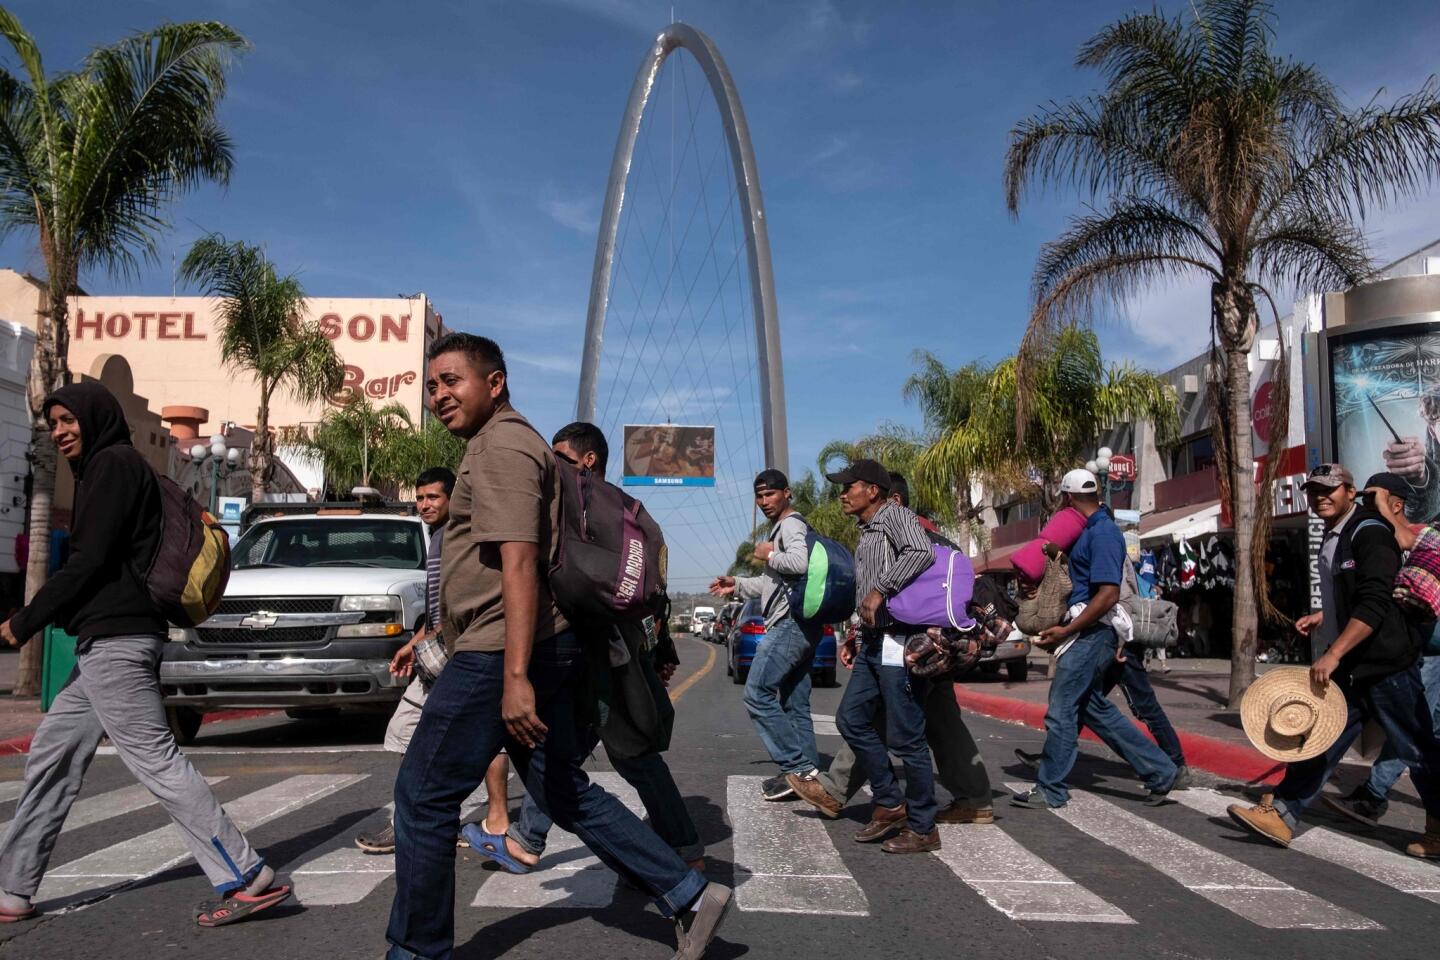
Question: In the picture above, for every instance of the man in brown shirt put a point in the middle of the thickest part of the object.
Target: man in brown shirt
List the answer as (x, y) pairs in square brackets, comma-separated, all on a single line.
[(512, 680)]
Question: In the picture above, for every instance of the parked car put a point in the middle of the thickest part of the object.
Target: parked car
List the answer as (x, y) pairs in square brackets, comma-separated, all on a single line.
[(702, 622), (319, 600), (725, 622), (749, 632), (1012, 653), (680, 623)]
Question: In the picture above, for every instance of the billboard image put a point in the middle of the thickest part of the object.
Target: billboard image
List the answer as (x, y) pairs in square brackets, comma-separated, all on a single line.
[(1385, 390), (667, 455)]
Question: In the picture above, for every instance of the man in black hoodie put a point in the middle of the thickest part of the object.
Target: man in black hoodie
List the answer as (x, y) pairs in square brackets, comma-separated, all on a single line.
[(100, 597), (1369, 648)]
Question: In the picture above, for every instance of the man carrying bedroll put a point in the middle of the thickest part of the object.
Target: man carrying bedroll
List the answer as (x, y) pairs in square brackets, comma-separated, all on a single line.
[(1370, 650), (777, 691), (101, 598), (512, 679)]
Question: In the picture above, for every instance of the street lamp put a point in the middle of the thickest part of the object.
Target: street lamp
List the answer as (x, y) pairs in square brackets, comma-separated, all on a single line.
[(216, 452), (1101, 467)]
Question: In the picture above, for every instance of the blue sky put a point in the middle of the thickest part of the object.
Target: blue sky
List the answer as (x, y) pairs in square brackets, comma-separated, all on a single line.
[(462, 149)]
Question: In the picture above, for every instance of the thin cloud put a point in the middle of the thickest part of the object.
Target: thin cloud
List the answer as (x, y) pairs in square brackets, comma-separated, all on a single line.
[(580, 215)]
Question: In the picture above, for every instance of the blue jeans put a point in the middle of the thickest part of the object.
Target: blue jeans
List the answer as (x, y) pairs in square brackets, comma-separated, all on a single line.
[(650, 775), (460, 731), (1389, 766), (1135, 684), (1397, 704), (1076, 692), (872, 686), (777, 695)]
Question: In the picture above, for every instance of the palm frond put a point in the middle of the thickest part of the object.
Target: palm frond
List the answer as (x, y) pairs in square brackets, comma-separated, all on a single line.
[(1315, 253)]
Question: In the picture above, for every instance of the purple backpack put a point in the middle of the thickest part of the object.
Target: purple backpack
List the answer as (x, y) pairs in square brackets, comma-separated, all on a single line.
[(940, 596)]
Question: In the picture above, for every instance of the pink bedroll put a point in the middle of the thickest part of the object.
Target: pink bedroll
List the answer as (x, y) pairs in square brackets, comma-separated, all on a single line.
[(1063, 530)]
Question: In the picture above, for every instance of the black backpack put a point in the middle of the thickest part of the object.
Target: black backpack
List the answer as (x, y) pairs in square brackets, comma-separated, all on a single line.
[(187, 576), (610, 566)]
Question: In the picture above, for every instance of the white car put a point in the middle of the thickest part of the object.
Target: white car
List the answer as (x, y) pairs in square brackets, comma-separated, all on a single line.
[(316, 606)]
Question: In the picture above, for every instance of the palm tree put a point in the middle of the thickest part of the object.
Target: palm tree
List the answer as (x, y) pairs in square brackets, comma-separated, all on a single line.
[(354, 443), (407, 453), (89, 160), (1211, 157), (263, 332), (946, 469)]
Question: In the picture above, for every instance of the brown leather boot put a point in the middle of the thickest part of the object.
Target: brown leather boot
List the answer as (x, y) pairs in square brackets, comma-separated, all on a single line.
[(814, 793), (959, 812), (1428, 846), (908, 841), (1263, 819), (883, 822)]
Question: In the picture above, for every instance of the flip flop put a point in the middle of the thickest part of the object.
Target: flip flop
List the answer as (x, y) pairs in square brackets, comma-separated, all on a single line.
[(238, 905), (7, 917), (492, 847)]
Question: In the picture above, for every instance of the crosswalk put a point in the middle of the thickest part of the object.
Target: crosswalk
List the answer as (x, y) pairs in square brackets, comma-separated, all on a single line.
[(788, 861)]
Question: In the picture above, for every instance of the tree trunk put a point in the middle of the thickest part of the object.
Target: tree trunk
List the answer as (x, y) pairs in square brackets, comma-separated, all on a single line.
[(1242, 486), (963, 506), (260, 470)]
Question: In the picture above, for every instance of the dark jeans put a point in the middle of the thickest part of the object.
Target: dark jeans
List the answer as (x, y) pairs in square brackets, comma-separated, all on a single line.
[(1135, 684), (1389, 766), (872, 686), (777, 695), (1397, 703), (1075, 694), (459, 733), (650, 775)]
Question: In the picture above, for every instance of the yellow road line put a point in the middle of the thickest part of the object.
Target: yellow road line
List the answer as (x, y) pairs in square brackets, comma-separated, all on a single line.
[(691, 680)]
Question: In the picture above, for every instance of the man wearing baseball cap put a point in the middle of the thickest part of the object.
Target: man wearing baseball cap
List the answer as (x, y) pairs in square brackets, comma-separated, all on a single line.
[(777, 690), (1365, 645), (1085, 647)]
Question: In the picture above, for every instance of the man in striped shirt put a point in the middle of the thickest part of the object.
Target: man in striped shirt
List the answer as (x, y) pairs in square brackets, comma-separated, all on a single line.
[(893, 551)]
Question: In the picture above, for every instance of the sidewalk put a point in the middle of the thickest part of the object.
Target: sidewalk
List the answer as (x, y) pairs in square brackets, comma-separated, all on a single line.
[(1193, 694)]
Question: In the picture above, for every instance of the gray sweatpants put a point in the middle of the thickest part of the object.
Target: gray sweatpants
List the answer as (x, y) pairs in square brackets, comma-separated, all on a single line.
[(957, 758), (115, 692)]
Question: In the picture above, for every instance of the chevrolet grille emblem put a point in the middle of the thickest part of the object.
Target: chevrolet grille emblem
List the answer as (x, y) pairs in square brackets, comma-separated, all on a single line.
[(261, 620)]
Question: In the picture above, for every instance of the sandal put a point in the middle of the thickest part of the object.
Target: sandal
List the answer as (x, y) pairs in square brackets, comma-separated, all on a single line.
[(492, 847), (238, 905)]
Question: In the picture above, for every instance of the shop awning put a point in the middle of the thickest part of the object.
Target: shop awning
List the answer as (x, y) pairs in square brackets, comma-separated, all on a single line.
[(1193, 520), (996, 559)]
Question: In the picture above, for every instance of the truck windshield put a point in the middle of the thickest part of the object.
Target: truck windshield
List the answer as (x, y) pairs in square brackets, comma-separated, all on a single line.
[(324, 542)]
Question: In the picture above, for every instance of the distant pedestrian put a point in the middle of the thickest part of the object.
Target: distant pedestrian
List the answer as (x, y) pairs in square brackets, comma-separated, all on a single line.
[(1085, 647), (777, 690), (893, 551), (1369, 650), (512, 679), (114, 690), (432, 501)]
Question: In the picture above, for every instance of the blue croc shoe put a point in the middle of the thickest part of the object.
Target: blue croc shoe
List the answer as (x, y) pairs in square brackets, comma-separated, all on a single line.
[(492, 847)]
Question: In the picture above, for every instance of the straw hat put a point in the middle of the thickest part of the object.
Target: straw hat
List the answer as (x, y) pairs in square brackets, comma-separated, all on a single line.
[(1289, 718)]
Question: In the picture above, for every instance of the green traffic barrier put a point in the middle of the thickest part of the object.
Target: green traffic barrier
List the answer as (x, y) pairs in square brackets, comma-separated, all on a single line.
[(57, 666)]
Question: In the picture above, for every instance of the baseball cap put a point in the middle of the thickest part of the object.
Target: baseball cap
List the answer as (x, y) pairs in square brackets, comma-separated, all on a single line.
[(1391, 483), (1079, 480), (771, 479), (864, 470), (1329, 476)]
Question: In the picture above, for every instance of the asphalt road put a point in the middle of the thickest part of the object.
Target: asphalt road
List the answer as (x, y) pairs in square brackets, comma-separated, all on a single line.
[(1105, 878)]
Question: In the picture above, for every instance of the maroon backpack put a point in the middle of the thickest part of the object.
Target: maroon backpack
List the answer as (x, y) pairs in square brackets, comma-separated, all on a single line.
[(611, 562)]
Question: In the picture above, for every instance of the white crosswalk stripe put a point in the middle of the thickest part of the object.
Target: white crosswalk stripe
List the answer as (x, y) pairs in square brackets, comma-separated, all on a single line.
[(569, 875), (786, 862), (1241, 889), (11, 790), (116, 803), (1017, 882), (824, 725), (1404, 873), (92, 875)]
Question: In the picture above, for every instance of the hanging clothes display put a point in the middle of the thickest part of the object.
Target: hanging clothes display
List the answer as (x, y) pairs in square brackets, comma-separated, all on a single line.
[(1188, 565)]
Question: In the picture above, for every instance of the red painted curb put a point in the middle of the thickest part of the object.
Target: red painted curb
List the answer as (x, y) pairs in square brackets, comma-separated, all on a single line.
[(1220, 757), (22, 744)]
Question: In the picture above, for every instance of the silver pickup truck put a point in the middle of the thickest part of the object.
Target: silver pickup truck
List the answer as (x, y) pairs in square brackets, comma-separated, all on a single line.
[(317, 604)]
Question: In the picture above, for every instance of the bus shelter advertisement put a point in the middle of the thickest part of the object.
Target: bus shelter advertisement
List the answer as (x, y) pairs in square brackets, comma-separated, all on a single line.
[(1386, 401), (667, 455)]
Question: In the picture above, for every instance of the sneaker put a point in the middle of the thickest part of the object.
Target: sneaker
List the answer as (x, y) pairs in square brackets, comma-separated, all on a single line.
[(809, 788), (1030, 799), (696, 927), (1428, 846), (883, 822), (1263, 819), (959, 812), (1360, 806), (1182, 778), (1157, 798), (1031, 760), (908, 841), (777, 788), (382, 841)]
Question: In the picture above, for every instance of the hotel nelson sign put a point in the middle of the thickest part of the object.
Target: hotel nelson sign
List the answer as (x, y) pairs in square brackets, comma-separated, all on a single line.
[(356, 336)]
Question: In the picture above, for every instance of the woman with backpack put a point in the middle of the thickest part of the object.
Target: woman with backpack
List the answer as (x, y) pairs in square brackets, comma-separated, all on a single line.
[(101, 597)]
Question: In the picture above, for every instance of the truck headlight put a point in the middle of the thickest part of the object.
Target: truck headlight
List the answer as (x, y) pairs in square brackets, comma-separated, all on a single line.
[(391, 626), (176, 635)]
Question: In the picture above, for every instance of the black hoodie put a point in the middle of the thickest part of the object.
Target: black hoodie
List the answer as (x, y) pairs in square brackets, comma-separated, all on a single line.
[(114, 533)]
